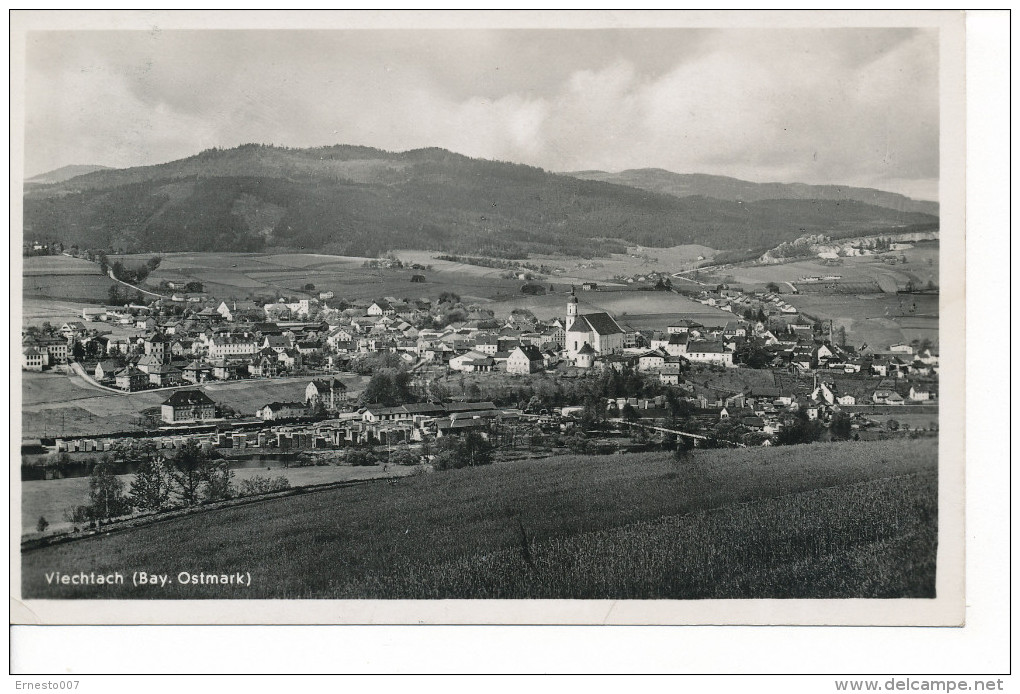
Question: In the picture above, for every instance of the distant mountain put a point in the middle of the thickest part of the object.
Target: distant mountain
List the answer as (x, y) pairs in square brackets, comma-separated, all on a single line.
[(734, 189), (64, 173), (363, 201)]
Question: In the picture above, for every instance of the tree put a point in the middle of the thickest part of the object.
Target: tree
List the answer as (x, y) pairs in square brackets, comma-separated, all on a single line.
[(476, 449), (106, 492), (219, 483), (188, 471), (42, 524), (308, 287), (150, 490), (892, 425), (840, 427), (404, 456), (772, 287)]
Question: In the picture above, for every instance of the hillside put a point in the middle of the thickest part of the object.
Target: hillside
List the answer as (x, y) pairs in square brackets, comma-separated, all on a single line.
[(361, 201), (63, 173), (734, 189), (823, 520)]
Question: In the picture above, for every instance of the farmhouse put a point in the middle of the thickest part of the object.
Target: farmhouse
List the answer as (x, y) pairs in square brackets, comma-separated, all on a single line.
[(188, 406)]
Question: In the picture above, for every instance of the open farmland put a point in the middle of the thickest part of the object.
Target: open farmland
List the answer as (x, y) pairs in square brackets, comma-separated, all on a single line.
[(822, 521), (64, 279), (254, 275), (641, 310), (861, 271), (577, 269), (876, 319), (63, 406)]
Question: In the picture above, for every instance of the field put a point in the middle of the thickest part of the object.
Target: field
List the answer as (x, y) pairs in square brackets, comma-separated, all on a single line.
[(875, 319), (56, 405), (63, 278), (860, 271), (251, 275), (49, 498), (823, 520), (577, 270), (637, 309), (39, 311)]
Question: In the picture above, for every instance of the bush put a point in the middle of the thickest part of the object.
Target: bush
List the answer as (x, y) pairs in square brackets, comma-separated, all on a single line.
[(404, 456), (355, 456), (260, 484), (42, 524)]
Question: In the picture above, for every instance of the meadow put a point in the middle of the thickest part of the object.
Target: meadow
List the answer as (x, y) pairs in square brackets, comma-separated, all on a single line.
[(822, 520), (862, 271), (64, 278), (56, 405), (875, 319)]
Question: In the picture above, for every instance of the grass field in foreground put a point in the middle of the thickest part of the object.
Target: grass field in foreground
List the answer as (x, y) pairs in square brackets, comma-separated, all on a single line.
[(824, 520)]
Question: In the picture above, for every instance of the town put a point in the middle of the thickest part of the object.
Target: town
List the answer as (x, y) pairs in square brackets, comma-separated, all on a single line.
[(404, 371)]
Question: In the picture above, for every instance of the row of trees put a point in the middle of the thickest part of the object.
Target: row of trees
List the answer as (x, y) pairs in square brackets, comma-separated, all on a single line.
[(188, 477)]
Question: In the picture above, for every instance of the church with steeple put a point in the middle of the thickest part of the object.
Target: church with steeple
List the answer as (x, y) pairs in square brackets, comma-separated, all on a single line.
[(598, 331)]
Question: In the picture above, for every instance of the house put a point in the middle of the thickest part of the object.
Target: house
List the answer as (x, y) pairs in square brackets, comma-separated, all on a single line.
[(472, 361), (920, 393), (846, 400), (118, 345), (107, 369), (277, 343), (710, 352), (164, 375), (670, 375), (291, 359), (281, 410), (221, 347), (196, 372), (188, 406), (589, 286), (886, 394), (331, 393), (225, 370), (32, 359), (525, 359), (381, 308), (72, 329), (131, 379), (652, 360), (676, 344)]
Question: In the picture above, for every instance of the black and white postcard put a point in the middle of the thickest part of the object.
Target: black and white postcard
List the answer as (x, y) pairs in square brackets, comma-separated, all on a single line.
[(584, 318)]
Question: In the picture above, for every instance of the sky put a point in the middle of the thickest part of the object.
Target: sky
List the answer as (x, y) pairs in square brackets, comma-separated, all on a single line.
[(824, 106)]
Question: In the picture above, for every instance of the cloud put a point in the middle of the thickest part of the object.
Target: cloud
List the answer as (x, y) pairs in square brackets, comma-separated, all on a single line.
[(819, 106)]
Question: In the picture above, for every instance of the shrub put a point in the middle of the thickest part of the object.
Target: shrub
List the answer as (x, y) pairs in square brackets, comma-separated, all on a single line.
[(355, 456), (260, 484)]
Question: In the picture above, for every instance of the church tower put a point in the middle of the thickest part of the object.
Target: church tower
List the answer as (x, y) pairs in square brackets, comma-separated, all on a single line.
[(571, 310)]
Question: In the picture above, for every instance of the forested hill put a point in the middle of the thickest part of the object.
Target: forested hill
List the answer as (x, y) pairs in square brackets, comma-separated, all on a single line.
[(734, 189), (362, 201)]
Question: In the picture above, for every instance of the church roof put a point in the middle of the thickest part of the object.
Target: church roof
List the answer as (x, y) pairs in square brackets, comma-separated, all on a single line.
[(601, 323)]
